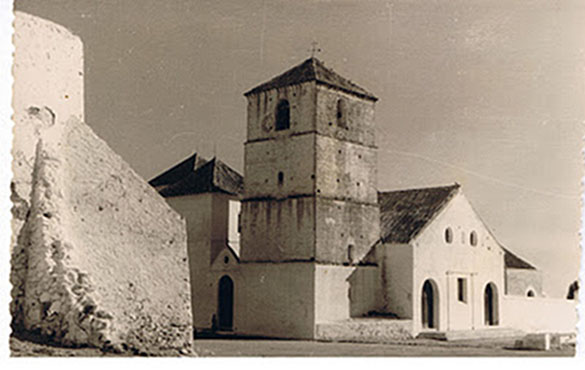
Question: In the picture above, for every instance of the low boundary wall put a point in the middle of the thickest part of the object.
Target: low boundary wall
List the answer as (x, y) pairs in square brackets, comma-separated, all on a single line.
[(539, 315)]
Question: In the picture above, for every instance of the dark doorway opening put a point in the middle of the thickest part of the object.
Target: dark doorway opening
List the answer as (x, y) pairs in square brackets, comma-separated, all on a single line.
[(490, 298), (225, 303), (429, 305)]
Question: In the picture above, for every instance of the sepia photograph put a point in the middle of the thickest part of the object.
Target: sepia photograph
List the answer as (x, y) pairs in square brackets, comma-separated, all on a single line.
[(311, 178)]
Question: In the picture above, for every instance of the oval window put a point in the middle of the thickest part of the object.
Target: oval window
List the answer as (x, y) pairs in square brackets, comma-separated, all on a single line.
[(449, 235), (473, 238)]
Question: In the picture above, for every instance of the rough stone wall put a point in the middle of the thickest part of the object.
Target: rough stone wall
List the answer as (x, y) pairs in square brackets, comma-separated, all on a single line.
[(101, 259), (357, 122), (48, 88), (345, 170), (262, 107), (278, 230), (324, 155), (341, 226), (520, 281), (292, 156)]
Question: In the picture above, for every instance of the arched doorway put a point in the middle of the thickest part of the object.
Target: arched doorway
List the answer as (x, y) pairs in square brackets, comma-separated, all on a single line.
[(490, 298), (430, 305), (225, 303)]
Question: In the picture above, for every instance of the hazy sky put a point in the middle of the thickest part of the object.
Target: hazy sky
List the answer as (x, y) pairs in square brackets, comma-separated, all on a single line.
[(488, 93)]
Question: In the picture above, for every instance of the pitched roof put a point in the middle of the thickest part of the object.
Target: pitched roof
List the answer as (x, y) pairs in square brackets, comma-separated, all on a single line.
[(513, 261), (313, 69), (404, 213), (177, 172), (213, 176)]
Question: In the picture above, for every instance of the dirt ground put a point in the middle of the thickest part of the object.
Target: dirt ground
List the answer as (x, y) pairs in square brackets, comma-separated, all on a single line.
[(24, 347)]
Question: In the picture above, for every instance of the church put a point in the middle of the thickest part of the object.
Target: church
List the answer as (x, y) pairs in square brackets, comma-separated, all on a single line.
[(306, 246)]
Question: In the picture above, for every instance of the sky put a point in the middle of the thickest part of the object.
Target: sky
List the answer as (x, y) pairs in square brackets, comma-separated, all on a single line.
[(486, 93)]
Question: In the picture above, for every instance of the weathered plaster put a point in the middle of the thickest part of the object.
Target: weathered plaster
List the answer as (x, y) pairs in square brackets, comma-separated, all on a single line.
[(101, 259)]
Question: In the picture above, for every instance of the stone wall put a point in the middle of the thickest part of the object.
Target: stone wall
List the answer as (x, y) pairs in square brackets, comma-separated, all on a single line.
[(278, 230), (346, 232), (48, 88), (98, 257), (262, 108), (293, 157), (357, 124), (101, 259)]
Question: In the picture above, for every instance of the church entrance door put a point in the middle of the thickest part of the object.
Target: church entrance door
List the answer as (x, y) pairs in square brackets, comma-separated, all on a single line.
[(491, 304), (429, 305), (225, 303)]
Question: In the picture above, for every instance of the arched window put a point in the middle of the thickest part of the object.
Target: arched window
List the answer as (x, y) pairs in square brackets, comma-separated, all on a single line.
[(282, 115), (280, 178), (530, 293), (449, 235), (473, 238)]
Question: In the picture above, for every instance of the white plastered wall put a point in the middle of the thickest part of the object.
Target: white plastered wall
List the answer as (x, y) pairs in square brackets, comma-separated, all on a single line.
[(342, 292), (275, 300), (540, 315)]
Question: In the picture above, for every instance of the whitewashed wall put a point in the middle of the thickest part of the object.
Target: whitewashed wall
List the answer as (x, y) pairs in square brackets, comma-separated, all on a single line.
[(537, 314)]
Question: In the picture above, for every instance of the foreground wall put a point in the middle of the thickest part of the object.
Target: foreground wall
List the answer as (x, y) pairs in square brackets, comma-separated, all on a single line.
[(48, 89), (98, 258), (101, 259), (535, 315)]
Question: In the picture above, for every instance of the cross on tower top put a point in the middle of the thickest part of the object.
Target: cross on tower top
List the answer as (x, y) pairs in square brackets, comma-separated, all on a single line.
[(314, 49)]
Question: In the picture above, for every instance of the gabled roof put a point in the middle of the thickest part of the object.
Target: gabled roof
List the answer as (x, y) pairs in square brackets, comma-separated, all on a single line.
[(313, 69), (177, 172), (404, 213), (513, 261), (213, 176)]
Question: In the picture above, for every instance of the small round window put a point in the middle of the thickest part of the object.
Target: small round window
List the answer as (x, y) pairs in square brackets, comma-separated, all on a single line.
[(449, 235), (473, 238)]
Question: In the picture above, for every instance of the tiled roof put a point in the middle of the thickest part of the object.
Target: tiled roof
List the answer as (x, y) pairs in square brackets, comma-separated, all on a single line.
[(213, 176), (404, 213), (313, 69), (513, 261), (177, 172)]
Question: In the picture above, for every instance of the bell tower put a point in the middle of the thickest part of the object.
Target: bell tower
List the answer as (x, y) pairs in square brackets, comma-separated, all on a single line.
[(310, 190)]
